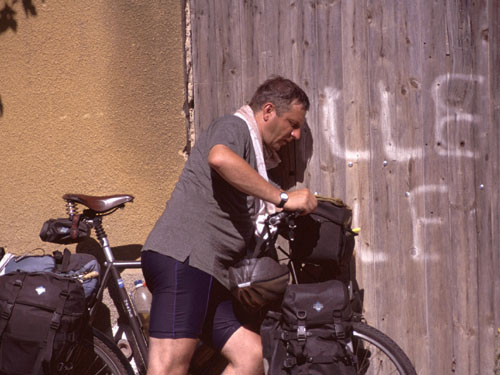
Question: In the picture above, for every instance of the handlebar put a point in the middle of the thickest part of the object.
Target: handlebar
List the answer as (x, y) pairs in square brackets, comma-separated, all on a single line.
[(283, 217), (283, 223)]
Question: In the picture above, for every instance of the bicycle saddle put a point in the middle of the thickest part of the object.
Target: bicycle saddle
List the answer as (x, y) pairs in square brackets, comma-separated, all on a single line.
[(99, 204)]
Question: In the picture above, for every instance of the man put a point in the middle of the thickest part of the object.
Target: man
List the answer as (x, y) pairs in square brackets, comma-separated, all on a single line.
[(210, 221)]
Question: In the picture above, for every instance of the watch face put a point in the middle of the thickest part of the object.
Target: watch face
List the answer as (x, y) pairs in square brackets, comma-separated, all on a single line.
[(284, 196)]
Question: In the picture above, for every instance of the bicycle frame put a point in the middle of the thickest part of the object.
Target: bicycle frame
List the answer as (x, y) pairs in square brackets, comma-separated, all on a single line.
[(112, 275)]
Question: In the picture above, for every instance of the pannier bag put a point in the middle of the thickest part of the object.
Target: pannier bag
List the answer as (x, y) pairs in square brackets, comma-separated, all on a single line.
[(310, 333), (325, 234), (43, 310), (64, 231), (42, 317)]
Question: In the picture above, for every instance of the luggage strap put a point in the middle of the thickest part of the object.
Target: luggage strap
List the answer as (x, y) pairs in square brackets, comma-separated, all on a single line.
[(5, 316), (44, 356), (62, 260), (74, 226)]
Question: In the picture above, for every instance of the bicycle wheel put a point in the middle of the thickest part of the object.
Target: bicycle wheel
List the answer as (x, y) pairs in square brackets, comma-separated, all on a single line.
[(98, 355), (377, 354)]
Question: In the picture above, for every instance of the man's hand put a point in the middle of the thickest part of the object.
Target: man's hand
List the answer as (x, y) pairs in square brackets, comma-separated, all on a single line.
[(301, 200)]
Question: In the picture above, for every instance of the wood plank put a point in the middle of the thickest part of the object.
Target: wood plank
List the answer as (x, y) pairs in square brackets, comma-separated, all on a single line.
[(462, 89), (381, 84), (357, 141), (494, 137), (228, 56), (253, 46), (487, 169), (283, 42), (328, 164), (388, 159), (408, 155), (204, 64), (271, 30), (437, 231)]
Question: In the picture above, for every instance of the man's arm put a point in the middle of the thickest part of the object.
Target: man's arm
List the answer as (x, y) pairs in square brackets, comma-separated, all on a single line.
[(237, 172)]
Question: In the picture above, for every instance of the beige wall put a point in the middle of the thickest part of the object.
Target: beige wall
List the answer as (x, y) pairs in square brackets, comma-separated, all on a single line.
[(92, 95)]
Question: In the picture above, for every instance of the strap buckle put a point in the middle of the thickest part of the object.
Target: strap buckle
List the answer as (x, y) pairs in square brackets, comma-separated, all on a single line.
[(56, 321), (339, 331), (18, 283), (5, 314), (64, 294), (301, 333), (289, 362)]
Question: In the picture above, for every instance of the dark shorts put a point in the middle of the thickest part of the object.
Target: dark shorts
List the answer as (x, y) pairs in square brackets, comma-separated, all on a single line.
[(187, 302)]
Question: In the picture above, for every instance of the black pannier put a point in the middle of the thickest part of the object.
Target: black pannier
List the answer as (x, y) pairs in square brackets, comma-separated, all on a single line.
[(325, 234), (310, 334), (43, 316), (43, 310)]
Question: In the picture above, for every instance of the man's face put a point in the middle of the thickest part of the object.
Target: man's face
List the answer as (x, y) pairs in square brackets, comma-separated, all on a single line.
[(280, 130)]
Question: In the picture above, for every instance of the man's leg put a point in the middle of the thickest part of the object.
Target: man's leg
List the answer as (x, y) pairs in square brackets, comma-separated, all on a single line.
[(244, 353), (170, 356), (180, 299)]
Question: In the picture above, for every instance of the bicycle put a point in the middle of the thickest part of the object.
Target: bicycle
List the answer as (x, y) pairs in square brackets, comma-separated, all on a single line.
[(375, 352)]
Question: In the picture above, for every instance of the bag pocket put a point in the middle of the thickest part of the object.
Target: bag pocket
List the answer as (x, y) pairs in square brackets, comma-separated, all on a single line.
[(321, 353), (17, 355), (325, 234)]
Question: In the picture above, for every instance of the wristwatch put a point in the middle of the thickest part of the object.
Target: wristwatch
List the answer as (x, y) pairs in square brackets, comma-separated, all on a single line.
[(284, 199)]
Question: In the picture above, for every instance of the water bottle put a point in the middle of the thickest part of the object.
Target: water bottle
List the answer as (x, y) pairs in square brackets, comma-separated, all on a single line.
[(141, 297)]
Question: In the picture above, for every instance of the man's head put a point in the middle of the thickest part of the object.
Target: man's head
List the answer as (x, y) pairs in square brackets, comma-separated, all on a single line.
[(280, 108), (281, 92)]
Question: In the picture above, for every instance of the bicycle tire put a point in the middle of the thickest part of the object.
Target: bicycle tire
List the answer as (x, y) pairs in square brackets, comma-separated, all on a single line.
[(98, 355), (378, 354)]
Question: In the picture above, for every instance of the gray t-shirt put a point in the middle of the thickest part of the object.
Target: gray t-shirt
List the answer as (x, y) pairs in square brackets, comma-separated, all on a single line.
[(206, 219)]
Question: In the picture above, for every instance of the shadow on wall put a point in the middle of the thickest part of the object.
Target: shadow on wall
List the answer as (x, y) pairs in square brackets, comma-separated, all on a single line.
[(8, 14), (294, 158), (8, 20), (125, 252)]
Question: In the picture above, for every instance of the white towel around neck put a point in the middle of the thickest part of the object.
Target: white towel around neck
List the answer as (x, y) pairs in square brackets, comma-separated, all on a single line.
[(266, 159)]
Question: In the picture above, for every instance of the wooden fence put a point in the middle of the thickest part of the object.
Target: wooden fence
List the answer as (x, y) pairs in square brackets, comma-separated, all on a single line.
[(405, 127)]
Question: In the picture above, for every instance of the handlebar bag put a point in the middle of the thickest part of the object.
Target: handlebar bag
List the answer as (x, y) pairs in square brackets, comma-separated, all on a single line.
[(64, 231), (325, 234), (256, 282)]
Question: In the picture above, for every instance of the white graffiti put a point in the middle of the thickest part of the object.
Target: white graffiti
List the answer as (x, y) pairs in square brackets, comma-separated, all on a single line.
[(392, 151), (329, 111), (420, 221), (446, 114)]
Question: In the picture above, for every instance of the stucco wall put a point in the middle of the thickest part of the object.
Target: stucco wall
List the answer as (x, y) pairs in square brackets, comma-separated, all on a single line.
[(91, 102)]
